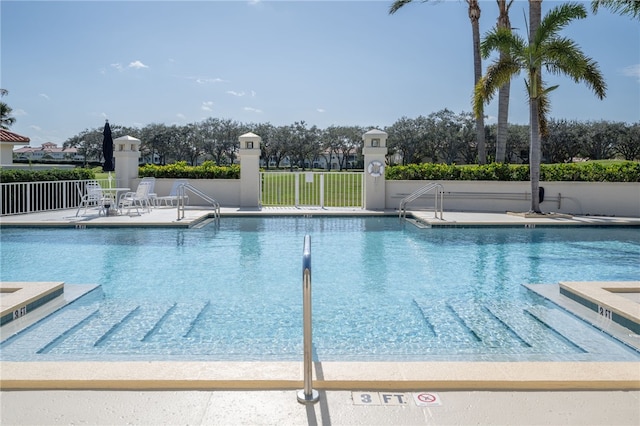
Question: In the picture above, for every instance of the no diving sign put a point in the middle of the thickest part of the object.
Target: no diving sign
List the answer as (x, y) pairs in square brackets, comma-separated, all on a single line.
[(421, 399), (426, 399)]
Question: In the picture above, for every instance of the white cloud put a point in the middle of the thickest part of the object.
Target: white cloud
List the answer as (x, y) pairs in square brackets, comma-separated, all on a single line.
[(19, 112), (320, 110), (201, 80), (231, 92), (258, 111), (632, 71), (44, 95), (181, 116), (117, 66), (207, 106), (253, 94), (137, 65), (36, 128)]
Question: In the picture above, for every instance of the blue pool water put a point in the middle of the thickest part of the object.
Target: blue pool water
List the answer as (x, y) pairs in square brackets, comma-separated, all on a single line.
[(382, 290)]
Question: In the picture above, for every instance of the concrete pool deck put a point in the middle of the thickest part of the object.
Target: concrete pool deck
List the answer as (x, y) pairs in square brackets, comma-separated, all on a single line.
[(264, 393)]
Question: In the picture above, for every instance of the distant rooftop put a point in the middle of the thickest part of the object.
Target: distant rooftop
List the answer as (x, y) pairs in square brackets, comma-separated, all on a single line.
[(7, 136)]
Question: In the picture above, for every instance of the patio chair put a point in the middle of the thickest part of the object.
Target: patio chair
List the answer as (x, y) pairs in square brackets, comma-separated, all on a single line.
[(152, 194), (94, 197), (173, 195), (136, 200)]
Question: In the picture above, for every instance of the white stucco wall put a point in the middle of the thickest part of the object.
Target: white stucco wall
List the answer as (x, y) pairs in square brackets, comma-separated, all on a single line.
[(581, 198)]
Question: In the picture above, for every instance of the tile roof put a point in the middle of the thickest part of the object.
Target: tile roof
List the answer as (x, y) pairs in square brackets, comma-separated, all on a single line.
[(7, 136)]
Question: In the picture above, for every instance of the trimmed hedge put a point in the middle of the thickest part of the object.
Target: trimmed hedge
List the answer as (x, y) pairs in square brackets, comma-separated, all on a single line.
[(17, 175), (208, 170), (628, 171)]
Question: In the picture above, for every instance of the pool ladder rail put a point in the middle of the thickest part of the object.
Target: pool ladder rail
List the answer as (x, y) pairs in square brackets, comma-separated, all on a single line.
[(438, 191), (182, 196), (308, 395)]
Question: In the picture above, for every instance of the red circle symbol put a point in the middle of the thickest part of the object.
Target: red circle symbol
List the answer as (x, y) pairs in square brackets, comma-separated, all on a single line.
[(426, 397)]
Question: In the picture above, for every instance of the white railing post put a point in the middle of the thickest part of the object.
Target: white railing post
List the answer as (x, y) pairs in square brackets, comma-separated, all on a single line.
[(307, 395), (322, 190)]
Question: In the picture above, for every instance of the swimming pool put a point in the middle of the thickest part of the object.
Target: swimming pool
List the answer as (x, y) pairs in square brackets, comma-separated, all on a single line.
[(382, 290)]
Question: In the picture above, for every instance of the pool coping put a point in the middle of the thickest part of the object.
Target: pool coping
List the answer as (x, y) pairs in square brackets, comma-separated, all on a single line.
[(165, 375), (194, 216)]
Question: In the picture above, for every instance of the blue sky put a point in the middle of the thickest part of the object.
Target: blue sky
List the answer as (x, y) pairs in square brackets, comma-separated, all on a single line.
[(69, 65)]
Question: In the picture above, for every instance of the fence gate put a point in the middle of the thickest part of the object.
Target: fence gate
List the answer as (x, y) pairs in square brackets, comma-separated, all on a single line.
[(311, 189)]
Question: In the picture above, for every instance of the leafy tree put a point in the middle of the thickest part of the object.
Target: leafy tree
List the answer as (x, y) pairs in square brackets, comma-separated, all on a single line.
[(283, 145), (621, 7), (629, 143), (546, 49), (518, 143), (448, 131), (267, 133), (159, 139), (306, 143), (408, 137), (6, 120), (562, 142), (340, 142), (602, 140), (474, 16)]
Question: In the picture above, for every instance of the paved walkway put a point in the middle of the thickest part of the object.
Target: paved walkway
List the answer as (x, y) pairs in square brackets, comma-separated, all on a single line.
[(381, 404), (280, 408)]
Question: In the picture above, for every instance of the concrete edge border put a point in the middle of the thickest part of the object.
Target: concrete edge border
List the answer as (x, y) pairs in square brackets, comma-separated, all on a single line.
[(328, 375)]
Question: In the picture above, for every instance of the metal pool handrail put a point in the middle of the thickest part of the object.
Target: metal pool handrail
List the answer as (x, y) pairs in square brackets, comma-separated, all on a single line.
[(182, 191), (307, 395), (438, 194)]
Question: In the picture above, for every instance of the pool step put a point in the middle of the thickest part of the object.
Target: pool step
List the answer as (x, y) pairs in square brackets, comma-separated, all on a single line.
[(223, 329), (46, 332), (537, 335), (95, 330), (487, 327), (586, 337)]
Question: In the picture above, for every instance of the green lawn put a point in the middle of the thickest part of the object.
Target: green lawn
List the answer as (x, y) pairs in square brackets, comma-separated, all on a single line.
[(340, 189)]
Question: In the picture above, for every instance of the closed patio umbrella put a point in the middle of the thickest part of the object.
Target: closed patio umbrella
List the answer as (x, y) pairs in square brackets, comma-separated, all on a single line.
[(107, 150)]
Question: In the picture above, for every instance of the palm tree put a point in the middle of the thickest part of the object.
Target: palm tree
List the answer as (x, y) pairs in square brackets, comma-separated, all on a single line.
[(5, 113), (503, 94), (621, 7), (474, 16), (547, 50)]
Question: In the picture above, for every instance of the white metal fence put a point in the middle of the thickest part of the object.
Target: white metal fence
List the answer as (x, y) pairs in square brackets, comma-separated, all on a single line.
[(318, 189), (33, 197)]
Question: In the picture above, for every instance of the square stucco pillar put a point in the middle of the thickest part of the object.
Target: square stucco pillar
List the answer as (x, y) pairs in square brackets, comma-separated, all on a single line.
[(250, 170), (374, 151), (126, 151)]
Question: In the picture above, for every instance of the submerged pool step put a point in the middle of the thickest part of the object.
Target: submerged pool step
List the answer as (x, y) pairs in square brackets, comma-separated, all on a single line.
[(538, 336), (446, 325), (488, 328), (581, 334), (95, 330), (140, 324), (46, 333)]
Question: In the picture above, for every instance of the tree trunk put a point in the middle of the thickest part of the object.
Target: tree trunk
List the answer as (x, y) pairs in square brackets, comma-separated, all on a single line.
[(474, 16), (503, 94), (534, 155), (535, 85)]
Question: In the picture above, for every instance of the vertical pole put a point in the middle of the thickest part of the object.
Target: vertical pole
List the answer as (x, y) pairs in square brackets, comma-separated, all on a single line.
[(322, 190), (307, 395)]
